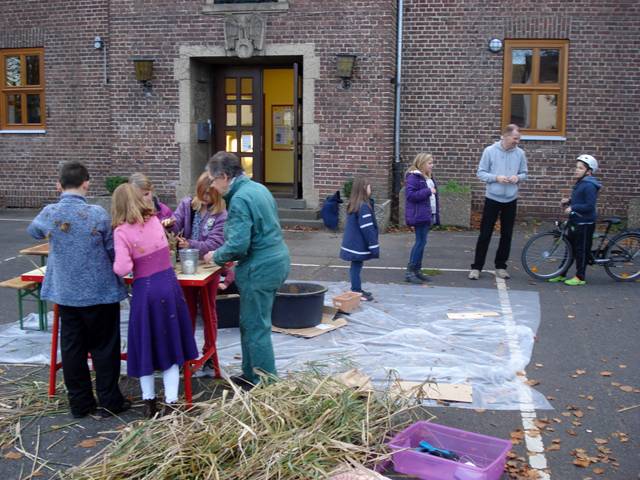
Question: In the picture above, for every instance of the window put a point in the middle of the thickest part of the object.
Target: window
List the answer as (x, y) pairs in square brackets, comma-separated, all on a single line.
[(22, 102), (534, 93)]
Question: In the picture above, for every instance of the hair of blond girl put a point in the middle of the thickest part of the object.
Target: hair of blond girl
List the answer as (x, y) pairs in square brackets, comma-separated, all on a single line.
[(358, 195), (128, 207), (203, 186), (141, 181), (419, 162)]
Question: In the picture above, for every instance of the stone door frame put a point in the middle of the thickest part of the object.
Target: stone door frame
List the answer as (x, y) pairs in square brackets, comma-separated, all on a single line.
[(186, 126)]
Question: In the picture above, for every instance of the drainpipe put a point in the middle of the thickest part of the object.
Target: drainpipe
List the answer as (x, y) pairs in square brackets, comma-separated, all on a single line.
[(398, 83)]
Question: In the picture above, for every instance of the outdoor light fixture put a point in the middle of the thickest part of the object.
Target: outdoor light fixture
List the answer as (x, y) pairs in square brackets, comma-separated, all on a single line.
[(144, 73), (98, 43), (344, 68), (495, 45)]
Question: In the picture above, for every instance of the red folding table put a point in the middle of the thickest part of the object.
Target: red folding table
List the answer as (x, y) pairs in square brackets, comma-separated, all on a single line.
[(207, 274)]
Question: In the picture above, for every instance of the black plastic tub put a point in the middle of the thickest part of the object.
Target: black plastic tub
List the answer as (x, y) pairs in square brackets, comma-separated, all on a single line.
[(298, 305), (228, 310)]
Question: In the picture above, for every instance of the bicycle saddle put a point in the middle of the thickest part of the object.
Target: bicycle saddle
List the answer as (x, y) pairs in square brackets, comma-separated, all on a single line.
[(612, 220)]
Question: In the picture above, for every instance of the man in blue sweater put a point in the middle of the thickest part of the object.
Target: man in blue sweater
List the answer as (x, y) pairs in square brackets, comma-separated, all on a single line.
[(81, 281), (502, 167), (582, 216)]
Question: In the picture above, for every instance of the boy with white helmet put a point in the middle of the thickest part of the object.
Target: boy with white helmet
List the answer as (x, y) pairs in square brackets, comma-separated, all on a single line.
[(582, 216)]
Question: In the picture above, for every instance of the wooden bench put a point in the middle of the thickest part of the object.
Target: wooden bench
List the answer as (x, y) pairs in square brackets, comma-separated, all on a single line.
[(28, 289)]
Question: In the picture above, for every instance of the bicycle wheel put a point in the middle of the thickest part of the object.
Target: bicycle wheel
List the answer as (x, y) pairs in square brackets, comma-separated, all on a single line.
[(546, 255), (623, 254)]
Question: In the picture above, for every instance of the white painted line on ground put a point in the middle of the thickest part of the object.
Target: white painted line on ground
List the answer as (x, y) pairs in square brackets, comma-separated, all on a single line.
[(10, 258), (532, 435), (16, 219), (381, 268)]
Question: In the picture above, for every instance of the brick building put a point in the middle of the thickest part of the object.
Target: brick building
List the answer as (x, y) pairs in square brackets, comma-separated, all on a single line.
[(261, 78)]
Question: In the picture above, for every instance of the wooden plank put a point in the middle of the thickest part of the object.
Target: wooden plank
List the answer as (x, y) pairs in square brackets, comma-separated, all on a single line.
[(449, 392), (327, 324), (41, 249)]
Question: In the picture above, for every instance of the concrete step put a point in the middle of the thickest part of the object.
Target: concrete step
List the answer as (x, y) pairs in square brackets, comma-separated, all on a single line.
[(292, 222), (300, 214), (291, 203)]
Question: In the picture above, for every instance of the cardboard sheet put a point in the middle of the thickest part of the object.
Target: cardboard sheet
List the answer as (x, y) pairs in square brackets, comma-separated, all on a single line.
[(448, 392), (327, 324), (354, 378), (471, 315)]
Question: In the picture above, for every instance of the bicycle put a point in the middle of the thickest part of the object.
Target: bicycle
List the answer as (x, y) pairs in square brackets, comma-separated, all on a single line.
[(549, 254)]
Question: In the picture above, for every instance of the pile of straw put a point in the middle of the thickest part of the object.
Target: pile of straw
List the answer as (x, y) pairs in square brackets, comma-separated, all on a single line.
[(301, 427)]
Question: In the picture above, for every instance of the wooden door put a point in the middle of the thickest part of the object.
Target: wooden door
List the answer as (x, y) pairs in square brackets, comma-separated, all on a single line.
[(238, 117)]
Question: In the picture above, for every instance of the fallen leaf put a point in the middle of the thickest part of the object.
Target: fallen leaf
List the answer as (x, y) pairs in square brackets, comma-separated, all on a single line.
[(532, 383), (12, 455), (622, 366), (572, 432), (578, 413), (581, 372), (598, 470), (582, 462), (553, 447), (606, 373), (601, 441), (626, 388), (89, 442)]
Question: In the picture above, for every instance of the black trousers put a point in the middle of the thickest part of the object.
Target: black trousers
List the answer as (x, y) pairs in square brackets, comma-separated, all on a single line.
[(490, 213), (581, 238), (96, 330)]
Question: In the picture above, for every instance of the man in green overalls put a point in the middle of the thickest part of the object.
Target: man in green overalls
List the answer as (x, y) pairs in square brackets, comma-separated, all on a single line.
[(253, 238)]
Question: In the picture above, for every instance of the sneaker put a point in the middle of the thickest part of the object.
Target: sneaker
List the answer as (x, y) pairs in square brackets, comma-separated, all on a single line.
[(106, 413), (502, 273), (208, 369), (575, 281), (474, 274), (366, 296), (557, 279)]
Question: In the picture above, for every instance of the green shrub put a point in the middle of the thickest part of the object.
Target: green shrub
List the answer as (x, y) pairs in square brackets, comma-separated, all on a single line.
[(346, 188), (454, 187), (111, 183)]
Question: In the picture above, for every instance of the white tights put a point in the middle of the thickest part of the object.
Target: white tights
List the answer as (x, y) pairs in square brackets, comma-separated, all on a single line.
[(171, 381)]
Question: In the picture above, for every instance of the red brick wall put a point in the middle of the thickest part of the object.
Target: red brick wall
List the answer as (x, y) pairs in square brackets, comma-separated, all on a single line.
[(452, 100)]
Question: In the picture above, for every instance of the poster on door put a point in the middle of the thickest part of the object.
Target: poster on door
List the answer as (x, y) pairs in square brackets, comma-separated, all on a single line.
[(282, 127)]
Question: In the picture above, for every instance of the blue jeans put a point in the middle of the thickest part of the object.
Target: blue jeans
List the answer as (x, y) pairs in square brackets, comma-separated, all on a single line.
[(354, 276), (417, 252)]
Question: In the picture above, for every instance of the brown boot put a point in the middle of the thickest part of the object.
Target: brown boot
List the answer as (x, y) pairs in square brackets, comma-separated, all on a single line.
[(150, 408)]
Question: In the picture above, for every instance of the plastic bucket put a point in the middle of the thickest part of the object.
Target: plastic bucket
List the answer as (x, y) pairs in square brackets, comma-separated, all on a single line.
[(298, 305), (189, 260)]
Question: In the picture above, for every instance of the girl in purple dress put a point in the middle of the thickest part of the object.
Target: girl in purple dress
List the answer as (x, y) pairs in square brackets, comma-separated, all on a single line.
[(160, 333)]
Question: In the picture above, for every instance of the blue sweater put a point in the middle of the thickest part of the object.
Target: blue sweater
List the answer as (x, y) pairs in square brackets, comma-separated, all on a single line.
[(80, 264), (360, 240), (583, 200)]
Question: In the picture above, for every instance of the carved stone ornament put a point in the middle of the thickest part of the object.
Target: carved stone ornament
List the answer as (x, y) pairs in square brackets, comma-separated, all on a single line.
[(244, 34)]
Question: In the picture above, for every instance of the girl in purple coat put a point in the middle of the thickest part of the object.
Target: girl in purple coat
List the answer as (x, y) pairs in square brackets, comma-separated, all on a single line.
[(199, 223), (421, 212)]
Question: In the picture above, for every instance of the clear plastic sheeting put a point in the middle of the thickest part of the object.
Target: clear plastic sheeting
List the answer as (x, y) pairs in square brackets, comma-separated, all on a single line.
[(404, 332)]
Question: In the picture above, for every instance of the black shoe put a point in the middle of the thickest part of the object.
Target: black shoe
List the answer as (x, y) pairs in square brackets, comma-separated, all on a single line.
[(242, 382), (366, 296), (411, 277), (422, 276), (84, 413), (150, 408), (110, 412)]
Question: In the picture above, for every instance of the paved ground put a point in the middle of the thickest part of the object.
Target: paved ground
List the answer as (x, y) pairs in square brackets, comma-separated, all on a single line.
[(586, 357)]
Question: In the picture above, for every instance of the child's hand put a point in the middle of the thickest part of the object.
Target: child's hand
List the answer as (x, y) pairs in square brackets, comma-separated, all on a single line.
[(168, 222), (208, 257), (222, 287), (182, 242), (433, 191), (567, 210), (564, 202), (513, 179), (502, 179)]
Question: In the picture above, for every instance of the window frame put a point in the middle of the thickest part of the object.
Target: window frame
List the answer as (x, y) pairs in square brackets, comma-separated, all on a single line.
[(23, 90), (535, 88)]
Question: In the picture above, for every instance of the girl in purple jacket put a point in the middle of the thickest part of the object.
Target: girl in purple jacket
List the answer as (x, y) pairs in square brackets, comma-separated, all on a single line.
[(199, 223), (421, 212)]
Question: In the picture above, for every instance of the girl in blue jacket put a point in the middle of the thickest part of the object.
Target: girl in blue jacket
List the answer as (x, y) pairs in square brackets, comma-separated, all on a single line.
[(360, 241)]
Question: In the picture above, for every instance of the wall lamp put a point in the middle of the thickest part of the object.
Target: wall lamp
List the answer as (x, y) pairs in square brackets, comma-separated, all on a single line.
[(495, 45), (144, 73), (344, 68)]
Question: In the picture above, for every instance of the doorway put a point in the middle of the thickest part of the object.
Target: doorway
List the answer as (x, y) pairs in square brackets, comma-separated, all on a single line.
[(257, 112)]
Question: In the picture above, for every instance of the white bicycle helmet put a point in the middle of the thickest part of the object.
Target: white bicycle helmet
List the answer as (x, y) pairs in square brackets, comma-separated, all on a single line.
[(589, 161)]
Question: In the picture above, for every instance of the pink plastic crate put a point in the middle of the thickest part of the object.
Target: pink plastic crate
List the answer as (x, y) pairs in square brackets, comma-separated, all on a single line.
[(488, 454)]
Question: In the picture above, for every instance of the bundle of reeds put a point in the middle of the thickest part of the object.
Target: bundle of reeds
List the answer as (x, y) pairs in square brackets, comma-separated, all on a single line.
[(300, 427)]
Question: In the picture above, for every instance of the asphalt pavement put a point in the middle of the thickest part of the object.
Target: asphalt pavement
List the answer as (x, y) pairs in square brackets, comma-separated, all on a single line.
[(585, 360)]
